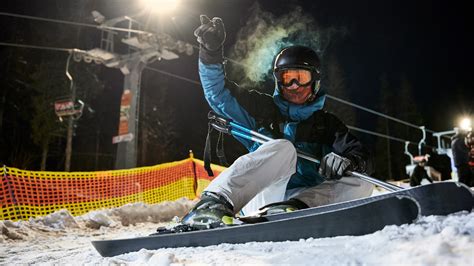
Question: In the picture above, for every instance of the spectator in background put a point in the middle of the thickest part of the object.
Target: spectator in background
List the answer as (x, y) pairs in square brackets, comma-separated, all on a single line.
[(441, 163), (421, 171), (470, 144), (463, 156)]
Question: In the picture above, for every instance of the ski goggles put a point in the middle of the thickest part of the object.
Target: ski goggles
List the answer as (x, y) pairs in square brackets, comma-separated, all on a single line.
[(302, 77)]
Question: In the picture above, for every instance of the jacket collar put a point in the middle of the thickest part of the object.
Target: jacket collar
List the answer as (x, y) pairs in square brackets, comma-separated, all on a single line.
[(296, 112)]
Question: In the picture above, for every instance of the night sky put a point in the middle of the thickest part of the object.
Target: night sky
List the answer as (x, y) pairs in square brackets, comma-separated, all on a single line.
[(429, 42)]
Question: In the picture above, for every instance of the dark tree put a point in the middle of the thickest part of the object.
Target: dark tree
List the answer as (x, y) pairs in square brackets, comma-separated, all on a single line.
[(397, 102), (159, 138), (337, 86), (383, 158), (49, 85)]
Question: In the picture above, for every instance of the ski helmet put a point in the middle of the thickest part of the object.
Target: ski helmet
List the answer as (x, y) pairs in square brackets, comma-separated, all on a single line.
[(297, 58)]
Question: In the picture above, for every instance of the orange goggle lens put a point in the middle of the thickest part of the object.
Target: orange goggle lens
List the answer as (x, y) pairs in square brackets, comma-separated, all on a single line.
[(301, 76)]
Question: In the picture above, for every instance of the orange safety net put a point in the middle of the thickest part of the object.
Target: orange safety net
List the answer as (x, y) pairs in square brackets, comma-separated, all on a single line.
[(26, 194)]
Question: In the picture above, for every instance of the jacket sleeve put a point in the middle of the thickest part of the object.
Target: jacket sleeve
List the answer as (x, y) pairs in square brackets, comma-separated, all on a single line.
[(227, 100), (347, 145)]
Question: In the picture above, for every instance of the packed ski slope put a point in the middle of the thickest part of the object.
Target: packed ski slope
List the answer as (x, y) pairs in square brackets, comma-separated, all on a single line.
[(62, 239)]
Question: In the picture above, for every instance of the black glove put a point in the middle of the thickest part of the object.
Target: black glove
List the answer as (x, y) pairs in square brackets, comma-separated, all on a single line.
[(334, 166), (211, 36)]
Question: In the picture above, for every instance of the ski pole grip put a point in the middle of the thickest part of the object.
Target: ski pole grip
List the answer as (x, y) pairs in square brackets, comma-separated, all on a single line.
[(217, 118), (219, 127)]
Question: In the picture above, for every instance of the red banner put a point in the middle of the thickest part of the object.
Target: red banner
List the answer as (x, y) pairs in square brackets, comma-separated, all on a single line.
[(124, 112), (64, 108)]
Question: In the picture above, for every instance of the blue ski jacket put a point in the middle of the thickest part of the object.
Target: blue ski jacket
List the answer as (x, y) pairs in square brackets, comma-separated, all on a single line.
[(308, 127)]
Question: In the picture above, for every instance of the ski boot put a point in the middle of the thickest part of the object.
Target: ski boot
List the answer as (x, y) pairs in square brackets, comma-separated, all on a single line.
[(212, 211), (282, 207)]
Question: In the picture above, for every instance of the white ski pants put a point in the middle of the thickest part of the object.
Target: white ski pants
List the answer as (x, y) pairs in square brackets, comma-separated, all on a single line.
[(260, 178)]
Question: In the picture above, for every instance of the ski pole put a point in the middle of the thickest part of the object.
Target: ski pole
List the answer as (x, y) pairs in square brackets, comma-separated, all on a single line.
[(230, 127), (374, 181), (385, 185)]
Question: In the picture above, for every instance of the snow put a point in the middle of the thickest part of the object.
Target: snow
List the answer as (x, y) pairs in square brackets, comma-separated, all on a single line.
[(61, 239)]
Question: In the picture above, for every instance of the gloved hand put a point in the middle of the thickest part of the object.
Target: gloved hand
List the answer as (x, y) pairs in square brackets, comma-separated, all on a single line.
[(211, 36), (334, 166)]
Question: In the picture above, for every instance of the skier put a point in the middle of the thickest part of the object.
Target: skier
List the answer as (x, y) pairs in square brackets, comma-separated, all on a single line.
[(293, 116), (462, 145)]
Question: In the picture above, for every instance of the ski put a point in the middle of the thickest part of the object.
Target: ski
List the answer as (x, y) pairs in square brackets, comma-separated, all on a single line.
[(440, 198), (355, 220)]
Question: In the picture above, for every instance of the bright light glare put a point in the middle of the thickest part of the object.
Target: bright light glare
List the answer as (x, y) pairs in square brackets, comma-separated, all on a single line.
[(466, 124), (161, 6)]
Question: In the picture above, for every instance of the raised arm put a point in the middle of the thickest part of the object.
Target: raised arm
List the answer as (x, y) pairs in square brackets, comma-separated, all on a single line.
[(211, 36)]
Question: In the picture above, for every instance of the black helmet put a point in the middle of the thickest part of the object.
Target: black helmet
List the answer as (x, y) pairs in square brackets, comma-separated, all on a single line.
[(297, 57)]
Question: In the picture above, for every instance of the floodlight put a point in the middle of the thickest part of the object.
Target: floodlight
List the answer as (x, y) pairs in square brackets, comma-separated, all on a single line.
[(465, 124), (161, 6)]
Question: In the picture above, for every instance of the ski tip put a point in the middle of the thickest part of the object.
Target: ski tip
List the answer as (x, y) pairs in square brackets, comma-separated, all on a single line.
[(414, 202)]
